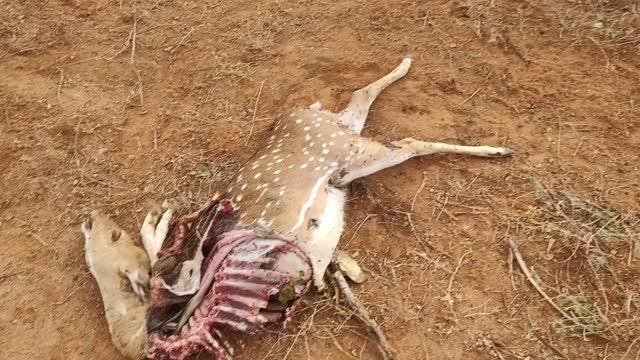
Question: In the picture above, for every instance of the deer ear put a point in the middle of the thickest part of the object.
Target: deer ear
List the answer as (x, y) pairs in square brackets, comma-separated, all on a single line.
[(115, 235)]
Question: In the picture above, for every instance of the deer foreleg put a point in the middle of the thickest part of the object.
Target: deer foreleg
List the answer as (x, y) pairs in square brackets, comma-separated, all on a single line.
[(155, 228)]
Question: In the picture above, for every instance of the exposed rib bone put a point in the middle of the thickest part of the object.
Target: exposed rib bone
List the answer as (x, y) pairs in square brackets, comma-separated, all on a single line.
[(240, 297)]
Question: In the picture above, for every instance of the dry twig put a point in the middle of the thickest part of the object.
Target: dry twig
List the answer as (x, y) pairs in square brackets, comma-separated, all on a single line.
[(134, 32), (59, 93), (341, 349), (489, 344), (629, 348), (71, 293), (534, 283), (549, 345), (175, 49), (37, 237), (255, 111), (470, 97), (357, 227), (140, 87), (388, 352), (415, 196), (448, 296), (125, 47), (604, 53)]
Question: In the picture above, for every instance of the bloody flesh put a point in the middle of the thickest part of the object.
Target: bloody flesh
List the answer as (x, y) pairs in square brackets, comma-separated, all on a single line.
[(249, 277)]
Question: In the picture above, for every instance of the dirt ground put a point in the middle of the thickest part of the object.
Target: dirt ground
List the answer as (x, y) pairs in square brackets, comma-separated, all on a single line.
[(118, 104)]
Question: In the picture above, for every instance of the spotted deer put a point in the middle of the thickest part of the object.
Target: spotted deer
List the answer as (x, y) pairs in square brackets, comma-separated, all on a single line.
[(247, 257)]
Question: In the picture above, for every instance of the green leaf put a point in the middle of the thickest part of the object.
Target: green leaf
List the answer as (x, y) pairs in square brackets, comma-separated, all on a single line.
[(204, 174)]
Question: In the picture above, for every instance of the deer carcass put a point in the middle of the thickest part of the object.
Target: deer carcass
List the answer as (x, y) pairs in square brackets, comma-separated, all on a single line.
[(246, 258)]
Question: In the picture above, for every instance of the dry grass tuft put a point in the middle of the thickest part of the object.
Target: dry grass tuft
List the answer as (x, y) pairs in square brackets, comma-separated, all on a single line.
[(586, 253)]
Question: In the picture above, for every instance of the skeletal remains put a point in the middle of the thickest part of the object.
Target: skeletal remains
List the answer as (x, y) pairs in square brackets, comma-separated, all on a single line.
[(246, 258)]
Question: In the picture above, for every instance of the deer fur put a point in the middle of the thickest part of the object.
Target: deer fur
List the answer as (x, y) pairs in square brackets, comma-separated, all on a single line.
[(121, 269), (294, 185)]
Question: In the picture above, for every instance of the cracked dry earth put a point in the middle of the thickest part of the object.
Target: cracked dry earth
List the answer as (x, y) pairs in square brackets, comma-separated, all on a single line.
[(85, 122)]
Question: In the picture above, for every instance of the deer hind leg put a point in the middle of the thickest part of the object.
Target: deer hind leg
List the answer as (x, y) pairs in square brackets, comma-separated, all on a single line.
[(355, 114), (155, 228), (373, 156)]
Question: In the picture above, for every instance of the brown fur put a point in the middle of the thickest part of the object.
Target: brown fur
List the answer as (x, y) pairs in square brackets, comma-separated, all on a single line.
[(121, 269)]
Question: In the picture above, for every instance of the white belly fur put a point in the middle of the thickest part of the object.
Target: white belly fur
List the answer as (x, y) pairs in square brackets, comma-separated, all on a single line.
[(324, 239)]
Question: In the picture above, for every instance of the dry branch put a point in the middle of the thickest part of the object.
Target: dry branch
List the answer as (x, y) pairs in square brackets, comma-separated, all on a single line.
[(448, 296), (71, 293), (134, 32), (255, 111), (470, 97), (175, 49), (388, 352), (534, 283), (59, 93)]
